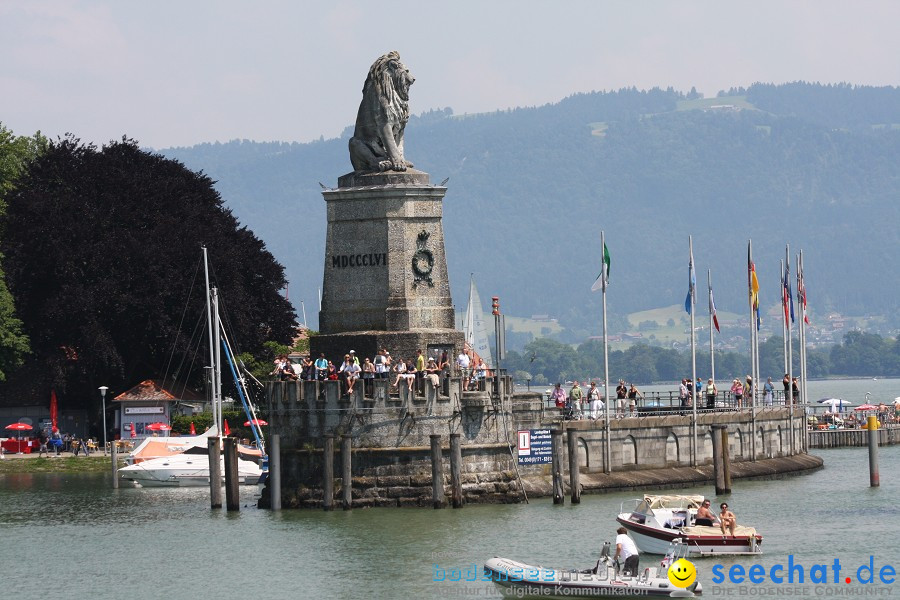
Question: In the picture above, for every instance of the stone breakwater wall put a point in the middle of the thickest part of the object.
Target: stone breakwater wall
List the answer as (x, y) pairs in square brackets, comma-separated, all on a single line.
[(390, 433)]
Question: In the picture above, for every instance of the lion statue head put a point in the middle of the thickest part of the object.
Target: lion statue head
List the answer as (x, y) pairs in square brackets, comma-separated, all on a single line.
[(377, 142)]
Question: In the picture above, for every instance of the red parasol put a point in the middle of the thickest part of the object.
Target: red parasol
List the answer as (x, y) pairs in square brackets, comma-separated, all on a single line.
[(866, 407), (226, 428), (255, 422), (158, 427), (193, 429), (19, 427), (53, 408)]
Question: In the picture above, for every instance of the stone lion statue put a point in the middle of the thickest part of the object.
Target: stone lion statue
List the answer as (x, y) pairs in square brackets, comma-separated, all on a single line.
[(377, 142)]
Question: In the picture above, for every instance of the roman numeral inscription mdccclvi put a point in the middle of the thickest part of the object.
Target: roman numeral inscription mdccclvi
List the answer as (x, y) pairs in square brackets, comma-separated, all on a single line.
[(343, 261)]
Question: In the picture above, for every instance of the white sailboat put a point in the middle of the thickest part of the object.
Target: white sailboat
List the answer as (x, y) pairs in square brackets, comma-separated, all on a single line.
[(474, 326), (186, 462)]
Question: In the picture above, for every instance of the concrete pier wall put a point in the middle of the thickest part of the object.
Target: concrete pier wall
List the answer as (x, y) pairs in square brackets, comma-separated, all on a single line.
[(391, 453)]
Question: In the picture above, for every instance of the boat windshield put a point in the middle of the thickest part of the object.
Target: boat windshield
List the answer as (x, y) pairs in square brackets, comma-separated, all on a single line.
[(643, 508)]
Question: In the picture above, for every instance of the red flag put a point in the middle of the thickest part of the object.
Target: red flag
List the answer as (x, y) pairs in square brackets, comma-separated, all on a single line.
[(712, 310), (53, 409), (133, 432), (227, 429), (193, 429)]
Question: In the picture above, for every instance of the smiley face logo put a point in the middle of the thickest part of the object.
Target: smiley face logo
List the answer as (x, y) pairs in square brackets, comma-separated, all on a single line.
[(682, 573)]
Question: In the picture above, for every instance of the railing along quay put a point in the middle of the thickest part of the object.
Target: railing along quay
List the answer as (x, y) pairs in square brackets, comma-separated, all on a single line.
[(842, 438)]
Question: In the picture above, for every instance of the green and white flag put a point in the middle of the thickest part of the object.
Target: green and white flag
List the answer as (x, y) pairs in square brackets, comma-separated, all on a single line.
[(603, 277)]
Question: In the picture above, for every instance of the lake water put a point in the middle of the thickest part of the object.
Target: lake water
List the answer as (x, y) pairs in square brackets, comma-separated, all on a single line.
[(75, 537)]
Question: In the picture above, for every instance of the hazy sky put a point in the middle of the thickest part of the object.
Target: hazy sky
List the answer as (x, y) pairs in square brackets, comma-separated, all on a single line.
[(175, 73)]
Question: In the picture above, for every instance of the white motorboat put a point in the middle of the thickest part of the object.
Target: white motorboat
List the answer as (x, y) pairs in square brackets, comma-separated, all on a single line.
[(656, 520), (522, 580), (187, 469)]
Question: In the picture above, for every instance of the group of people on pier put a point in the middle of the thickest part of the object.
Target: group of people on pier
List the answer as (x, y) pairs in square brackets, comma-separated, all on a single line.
[(410, 372), (578, 402)]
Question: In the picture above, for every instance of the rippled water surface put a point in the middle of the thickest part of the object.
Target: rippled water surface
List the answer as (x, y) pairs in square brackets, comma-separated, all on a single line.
[(75, 537)]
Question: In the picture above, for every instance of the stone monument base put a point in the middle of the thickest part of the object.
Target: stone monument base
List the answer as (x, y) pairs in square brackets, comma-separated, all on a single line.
[(401, 344)]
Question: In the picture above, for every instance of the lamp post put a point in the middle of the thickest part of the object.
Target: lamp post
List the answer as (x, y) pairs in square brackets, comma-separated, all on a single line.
[(103, 389)]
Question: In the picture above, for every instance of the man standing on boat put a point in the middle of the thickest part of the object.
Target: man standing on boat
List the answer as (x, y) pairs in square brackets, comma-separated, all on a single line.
[(626, 548)]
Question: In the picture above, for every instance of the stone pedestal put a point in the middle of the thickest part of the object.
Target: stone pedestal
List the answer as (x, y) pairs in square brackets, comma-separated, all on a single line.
[(385, 282)]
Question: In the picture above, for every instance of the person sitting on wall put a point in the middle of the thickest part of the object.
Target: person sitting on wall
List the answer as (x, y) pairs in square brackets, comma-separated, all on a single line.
[(432, 373)]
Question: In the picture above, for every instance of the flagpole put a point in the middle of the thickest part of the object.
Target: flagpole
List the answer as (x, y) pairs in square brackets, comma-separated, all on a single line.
[(790, 356), (754, 345), (695, 391), (607, 463), (712, 352), (752, 316), (802, 332), (783, 322)]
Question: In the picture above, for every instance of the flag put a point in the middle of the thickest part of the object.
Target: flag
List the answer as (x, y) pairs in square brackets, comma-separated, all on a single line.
[(787, 296), (603, 277), (712, 310), (692, 283), (226, 428), (801, 291), (53, 409), (758, 317), (193, 429), (752, 281)]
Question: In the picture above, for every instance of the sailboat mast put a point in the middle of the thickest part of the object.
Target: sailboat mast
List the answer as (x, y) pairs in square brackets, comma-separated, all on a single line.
[(212, 343), (217, 372)]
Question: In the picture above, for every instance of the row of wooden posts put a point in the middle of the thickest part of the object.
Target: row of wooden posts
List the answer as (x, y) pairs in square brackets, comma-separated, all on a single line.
[(721, 465), (438, 497)]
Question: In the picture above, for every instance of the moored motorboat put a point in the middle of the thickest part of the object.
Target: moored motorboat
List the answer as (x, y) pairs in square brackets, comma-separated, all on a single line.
[(604, 580), (656, 520), (187, 469)]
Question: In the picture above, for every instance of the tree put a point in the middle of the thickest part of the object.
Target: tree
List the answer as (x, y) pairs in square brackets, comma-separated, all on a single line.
[(15, 155), (103, 249)]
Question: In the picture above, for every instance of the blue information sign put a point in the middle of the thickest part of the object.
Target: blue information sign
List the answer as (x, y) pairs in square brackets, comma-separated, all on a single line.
[(535, 447)]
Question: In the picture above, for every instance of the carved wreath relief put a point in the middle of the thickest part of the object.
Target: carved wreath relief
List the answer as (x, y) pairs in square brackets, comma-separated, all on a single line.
[(422, 261)]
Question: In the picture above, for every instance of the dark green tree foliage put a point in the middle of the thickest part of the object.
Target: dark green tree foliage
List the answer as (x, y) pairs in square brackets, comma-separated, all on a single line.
[(866, 354), (103, 250)]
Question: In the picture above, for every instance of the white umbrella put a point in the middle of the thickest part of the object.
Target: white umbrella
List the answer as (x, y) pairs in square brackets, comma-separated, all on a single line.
[(836, 403)]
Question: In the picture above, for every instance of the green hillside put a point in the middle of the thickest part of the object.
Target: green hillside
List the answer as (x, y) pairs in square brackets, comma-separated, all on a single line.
[(530, 189)]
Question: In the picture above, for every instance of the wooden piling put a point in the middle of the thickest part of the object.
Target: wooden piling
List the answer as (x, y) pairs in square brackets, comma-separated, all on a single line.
[(719, 437), (456, 494), (328, 472), (437, 472), (215, 473), (574, 485), (113, 451), (346, 472), (872, 426), (559, 493), (232, 482), (275, 472)]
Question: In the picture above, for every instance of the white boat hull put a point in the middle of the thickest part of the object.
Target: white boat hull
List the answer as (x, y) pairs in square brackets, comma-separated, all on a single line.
[(654, 540), (521, 580), (184, 471)]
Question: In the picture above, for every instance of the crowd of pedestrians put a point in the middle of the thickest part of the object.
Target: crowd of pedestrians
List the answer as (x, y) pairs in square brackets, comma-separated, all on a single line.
[(411, 372), (578, 403)]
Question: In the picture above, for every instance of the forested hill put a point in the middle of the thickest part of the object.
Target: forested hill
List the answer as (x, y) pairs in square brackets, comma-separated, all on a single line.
[(530, 189)]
